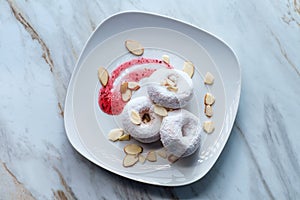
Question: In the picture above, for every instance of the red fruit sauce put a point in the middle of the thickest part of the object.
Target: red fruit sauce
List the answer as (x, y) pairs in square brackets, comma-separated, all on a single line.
[(110, 99)]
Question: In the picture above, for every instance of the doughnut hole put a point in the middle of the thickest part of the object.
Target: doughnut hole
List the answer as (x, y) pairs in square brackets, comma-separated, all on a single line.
[(146, 118)]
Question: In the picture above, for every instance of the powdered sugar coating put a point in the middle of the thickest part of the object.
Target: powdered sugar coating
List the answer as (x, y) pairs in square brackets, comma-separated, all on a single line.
[(144, 132), (180, 133), (159, 94)]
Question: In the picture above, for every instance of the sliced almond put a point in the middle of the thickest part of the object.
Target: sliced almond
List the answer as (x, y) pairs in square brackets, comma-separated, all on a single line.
[(170, 83), (172, 77), (209, 78), (172, 158), (103, 76), (123, 87), (133, 149), (115, 134), (162, 153), (166, 58), (134, 47), (209, 99), (124, 137), (208, 126), (151, 156), (133, 85), (188, 67), (172, 88), (126, 96), (135, 117), (164, 83), (130, 160), (142, 158), (161, 111), (208, 110)]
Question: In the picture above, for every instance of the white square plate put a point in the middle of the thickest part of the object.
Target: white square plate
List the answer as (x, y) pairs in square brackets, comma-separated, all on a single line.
[(87, 126)]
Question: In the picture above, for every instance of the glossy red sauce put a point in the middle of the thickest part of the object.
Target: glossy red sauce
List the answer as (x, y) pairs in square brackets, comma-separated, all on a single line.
[(109, 99)]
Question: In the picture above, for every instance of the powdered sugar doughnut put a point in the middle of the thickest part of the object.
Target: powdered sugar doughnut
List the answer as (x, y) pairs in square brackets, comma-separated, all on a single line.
[(161, 93), (148, 130), (180, 133)]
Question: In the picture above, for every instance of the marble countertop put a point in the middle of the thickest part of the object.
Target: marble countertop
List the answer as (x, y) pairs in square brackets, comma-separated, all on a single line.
[(40, 42)]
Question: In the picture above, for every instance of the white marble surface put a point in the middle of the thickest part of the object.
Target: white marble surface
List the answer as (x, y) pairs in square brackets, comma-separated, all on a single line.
[(39, 44)]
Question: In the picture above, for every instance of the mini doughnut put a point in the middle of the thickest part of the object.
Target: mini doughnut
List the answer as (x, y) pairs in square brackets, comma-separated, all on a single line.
[(163, 94), (180, 133), (148, 130)]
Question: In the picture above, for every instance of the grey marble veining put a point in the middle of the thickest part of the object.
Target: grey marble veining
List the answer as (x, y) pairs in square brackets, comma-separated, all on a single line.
[(40, 42)]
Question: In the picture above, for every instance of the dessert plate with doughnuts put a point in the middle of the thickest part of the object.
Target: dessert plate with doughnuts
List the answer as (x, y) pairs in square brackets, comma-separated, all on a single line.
[(152, 99)]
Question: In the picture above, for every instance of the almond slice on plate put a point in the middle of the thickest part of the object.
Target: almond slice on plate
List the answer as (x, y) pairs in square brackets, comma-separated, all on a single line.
[(135, 117), (209, 78), (142, 158), (166, 58), (161, 111), (133, 149), (172, 88), (126, 96), (208, 111), (134, 47), (124, 137), (209, 99), (133, 85), (208, 126), (162, 153), (123, 87), (151, 156), (115, 134), (172, 158), (129, 160), (188, 67), (103, 76)]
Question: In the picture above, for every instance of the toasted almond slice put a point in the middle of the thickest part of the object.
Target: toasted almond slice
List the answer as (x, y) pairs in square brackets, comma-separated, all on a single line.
[(172, 88), (209, 99), (151, 156), (115, 134), (164, 83), (135, 117), (142, 158), (161, 111), (134, 47), (172, 158), (103, 76), (162, 153), (133, 149), (208, 111), (123, 87), (133, 85), (126, 96), (130, 160), (170, 83), (188, 67), (209, 78), (173, 78), (124, 137), (208, 126), (166, 58)]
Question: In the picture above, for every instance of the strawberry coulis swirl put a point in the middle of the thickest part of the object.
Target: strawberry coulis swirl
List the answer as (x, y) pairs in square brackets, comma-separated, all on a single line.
[(110, 99)]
